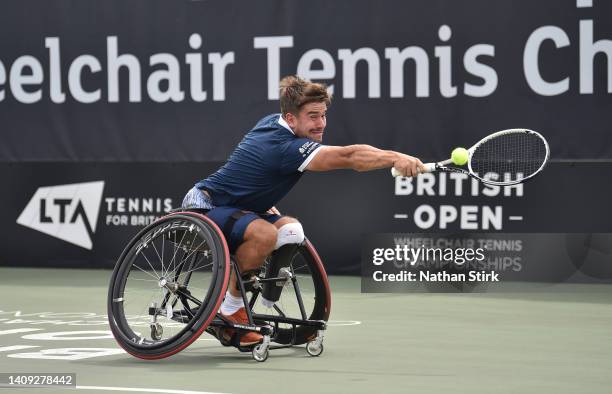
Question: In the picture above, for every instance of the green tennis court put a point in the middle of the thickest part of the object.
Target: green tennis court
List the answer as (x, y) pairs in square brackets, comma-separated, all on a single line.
[(558, 341)]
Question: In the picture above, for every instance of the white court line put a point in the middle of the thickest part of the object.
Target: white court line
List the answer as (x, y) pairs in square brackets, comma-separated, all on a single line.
[(515, 218), (335, 323), (16, 347), (18, 330), (400, 216), (143, 390)]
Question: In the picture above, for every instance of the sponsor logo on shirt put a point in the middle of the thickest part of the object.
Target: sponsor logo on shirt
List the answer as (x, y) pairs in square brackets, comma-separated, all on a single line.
[(307, 148)]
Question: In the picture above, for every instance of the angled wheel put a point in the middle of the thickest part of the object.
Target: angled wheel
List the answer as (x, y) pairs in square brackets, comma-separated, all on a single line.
[(314, 349), (311, 283), (168, 285), (260, 354)]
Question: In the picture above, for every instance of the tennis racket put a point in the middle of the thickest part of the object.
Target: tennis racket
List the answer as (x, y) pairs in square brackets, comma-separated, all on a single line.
[(504, 158)]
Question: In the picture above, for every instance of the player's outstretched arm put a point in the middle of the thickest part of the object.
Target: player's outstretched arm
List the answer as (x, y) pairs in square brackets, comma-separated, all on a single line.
[(363, 158)]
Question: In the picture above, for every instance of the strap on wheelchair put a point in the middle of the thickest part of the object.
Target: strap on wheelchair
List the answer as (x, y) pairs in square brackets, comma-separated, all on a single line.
[(231, 222), (235, 341)]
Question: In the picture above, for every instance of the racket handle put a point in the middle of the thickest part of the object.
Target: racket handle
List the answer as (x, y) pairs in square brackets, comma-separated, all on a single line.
[(429, 167)]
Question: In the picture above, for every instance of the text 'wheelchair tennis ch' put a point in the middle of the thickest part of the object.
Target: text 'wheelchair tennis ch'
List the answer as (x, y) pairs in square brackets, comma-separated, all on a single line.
[(169, 282)]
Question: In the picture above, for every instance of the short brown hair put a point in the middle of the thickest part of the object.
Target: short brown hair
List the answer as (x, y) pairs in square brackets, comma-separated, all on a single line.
[(296, 92)]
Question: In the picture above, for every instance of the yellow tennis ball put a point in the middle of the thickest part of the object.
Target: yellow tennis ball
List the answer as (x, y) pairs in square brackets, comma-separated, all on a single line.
[(459, 156)]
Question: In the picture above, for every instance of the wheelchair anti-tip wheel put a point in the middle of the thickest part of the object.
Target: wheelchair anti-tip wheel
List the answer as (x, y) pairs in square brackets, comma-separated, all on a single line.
[(314, 348), (168, 285), (262, 351), (157, 331)]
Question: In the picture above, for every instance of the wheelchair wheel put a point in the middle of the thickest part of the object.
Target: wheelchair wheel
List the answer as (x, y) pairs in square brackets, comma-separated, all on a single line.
[(168, 285), (313, 286)]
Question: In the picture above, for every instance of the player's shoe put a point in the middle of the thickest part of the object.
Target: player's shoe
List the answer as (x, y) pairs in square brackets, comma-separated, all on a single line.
[(247, 338)]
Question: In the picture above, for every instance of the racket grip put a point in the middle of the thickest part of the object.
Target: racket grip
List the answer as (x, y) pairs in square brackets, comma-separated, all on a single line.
[(429, 167)]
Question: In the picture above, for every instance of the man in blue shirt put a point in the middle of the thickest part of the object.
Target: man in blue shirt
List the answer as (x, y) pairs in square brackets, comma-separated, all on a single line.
[(265, 165)]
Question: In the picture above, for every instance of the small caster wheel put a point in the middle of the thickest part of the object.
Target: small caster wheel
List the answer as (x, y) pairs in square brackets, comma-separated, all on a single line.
[(156, 331), (260, 353), (314, 349)]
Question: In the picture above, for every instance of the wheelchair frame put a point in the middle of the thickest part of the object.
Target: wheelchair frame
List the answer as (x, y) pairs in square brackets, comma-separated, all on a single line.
[(197, 324)]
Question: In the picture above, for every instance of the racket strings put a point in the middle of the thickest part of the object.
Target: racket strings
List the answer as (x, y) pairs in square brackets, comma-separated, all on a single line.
[(509, 157)]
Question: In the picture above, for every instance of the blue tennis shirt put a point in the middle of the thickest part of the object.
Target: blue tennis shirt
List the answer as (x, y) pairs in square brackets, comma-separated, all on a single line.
[(265, 165)]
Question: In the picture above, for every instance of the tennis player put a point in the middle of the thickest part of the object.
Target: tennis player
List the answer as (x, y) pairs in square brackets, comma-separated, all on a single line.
[(265, 165)]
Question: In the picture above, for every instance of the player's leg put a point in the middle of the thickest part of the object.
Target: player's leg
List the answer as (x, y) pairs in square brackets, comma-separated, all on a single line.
[(282, 220), (290, 235), (290, 230), (308, 297), (251, 240), (259, 240)]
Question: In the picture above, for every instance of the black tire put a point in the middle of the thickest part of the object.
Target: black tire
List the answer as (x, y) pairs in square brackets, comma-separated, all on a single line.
[(183, 250), (314, 289)]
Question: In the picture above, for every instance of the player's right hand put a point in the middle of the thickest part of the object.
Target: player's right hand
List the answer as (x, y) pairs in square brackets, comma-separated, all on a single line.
[(408, 165)]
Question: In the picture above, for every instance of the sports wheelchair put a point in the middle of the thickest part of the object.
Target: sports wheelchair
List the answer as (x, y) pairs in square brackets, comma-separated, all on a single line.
[(168, 284)]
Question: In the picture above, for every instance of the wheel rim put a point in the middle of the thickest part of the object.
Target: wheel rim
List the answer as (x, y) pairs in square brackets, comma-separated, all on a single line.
[(163, 274)]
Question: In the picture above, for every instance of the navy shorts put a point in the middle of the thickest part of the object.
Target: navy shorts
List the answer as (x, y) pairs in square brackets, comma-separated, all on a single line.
[(220, 215), (235, 235)]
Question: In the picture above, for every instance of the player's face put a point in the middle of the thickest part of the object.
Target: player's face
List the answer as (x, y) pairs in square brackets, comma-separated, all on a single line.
[(310, 121)]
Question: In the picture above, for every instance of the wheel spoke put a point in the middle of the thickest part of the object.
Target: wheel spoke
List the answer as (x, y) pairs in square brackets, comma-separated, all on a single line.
[(158, 256), (148, 273), (185, 259), (150, 265), (196, 269), (176, 248)]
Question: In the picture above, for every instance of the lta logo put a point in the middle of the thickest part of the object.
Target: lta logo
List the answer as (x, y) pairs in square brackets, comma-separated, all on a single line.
[(68, 212)]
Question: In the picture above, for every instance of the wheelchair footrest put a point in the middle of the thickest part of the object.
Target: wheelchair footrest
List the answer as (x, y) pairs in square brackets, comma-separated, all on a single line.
[(318, 324), (221, 323)]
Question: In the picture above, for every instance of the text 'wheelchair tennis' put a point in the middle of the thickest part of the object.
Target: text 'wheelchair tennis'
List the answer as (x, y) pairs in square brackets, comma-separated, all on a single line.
[(169, 282)]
